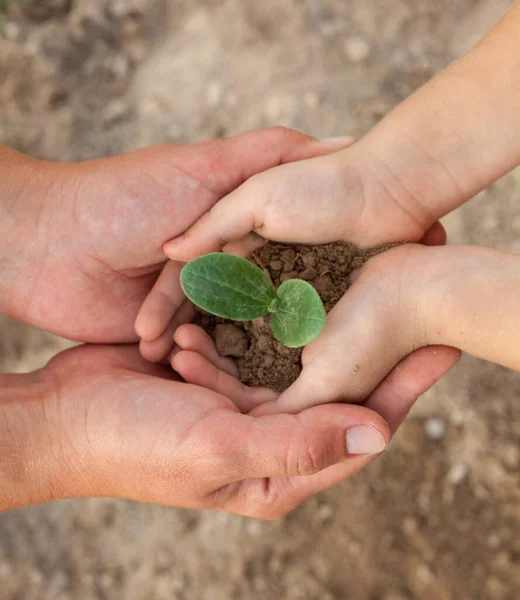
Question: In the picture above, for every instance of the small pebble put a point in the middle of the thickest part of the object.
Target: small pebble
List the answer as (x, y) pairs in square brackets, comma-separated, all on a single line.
[(357, 49), (325, 512), (289, 255), (435, 428), (268, 361), (424, 574), (11, 31), (458, 473), (262, 343)]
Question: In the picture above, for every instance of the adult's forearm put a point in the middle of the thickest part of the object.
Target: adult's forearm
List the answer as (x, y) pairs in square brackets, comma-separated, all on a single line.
[(29, 452), (24, 183), (458, 133)]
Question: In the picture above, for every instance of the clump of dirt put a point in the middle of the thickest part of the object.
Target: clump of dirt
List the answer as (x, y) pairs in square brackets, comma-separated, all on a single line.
[(260, 358), (230, 340)]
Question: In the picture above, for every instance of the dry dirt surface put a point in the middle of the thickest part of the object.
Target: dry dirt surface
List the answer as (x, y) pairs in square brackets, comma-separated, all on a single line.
[(438, 516)]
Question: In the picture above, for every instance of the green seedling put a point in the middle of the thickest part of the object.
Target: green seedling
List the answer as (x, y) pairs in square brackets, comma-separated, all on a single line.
[(234, 288)]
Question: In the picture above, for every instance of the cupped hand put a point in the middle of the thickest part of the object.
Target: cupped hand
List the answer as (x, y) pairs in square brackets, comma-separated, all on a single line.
[(91, 235), (390, 388), (348, 196), (112, 424)]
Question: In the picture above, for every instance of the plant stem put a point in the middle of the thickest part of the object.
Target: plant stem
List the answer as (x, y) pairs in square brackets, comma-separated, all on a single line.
[(273, 307)]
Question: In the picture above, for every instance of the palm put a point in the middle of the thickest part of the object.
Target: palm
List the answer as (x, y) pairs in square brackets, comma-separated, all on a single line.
[(101, 248), (110, 248), (137, 433), (128, 419)]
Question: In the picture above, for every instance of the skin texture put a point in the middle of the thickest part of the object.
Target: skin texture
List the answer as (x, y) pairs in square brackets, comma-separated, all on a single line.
[(409, 298), (101, 421), (85, 241), (79, 425), (436, 150)]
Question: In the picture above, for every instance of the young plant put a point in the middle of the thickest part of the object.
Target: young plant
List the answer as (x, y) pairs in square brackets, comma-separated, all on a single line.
[(234, 288)]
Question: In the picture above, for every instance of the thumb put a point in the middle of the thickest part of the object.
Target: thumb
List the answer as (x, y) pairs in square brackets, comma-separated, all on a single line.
[(285, 459), (283, 445)]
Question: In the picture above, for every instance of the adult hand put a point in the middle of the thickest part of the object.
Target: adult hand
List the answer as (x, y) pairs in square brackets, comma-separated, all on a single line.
[(101, 421), (82, 243)]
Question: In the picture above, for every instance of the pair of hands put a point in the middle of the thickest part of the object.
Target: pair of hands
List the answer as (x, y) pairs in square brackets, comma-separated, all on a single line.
[(337, 197), (99, 231)]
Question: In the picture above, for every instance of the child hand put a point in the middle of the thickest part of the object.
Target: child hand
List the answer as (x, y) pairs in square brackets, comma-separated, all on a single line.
[(313, 201), (198, 363), (343, 197), (410, 298), (195, 358), (165, 307), (376, 324), (433, 152)]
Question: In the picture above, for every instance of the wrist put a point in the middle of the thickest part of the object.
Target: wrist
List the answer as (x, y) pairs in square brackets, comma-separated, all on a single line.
[(24, 227), (455, 135), (394, 181), (472, 302), (32, 455)]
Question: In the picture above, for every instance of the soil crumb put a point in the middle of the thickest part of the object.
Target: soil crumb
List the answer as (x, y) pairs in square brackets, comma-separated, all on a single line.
[(260, 358)]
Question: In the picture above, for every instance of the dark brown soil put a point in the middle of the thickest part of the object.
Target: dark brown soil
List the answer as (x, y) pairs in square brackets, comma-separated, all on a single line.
[(261, 359)]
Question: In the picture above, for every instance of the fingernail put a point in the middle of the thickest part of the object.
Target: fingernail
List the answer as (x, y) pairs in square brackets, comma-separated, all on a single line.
[(364, 439), (175, 240), (340, 140), (170, 247)]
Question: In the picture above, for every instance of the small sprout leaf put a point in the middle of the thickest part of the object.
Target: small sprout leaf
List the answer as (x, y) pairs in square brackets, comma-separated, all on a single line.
[(228, 286), (300, 314)]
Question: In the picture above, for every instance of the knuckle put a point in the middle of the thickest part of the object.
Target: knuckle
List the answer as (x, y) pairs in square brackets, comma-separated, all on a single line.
[(281, 132), (270, 500), (311, 459), (256, 200), (304, 456)]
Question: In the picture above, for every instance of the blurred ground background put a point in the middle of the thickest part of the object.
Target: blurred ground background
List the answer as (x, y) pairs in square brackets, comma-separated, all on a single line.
[(438, 516)]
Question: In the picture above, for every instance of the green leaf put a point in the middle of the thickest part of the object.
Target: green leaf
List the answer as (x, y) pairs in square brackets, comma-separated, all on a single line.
[(300, 314), (228, 286)]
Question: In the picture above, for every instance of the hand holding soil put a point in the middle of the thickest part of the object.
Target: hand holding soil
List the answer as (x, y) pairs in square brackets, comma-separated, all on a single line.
[(85, 245), (83, 242), (101, 420), (434, 152)]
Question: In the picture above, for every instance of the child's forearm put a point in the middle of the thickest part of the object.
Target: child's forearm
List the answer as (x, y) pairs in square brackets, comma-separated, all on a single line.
[(458, 133), (472, 298)]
